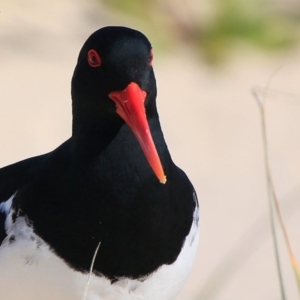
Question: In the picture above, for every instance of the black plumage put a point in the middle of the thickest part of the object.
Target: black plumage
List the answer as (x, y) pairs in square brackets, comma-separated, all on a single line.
[(98, 186)]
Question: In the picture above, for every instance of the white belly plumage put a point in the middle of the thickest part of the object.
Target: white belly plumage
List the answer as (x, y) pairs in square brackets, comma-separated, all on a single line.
[(30, 270)]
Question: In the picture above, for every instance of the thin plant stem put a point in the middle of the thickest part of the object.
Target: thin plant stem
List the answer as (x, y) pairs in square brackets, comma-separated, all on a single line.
[(271, 187), (293, 258), (262, 106), (91, 272)]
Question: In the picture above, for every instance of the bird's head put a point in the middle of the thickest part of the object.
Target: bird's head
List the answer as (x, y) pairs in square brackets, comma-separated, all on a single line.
[(114, 83)]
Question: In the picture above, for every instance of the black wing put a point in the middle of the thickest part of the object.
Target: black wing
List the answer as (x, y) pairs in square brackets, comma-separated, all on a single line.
[(12, 177)]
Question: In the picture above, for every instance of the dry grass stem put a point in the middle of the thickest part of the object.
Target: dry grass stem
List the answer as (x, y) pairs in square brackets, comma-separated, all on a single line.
[(273, 200), (90, 273)]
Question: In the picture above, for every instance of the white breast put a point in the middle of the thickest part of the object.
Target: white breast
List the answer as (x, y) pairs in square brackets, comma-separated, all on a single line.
[(29, 270)]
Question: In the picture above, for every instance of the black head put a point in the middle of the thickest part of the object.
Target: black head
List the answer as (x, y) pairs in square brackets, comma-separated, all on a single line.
[(109, 60), (113, 84)]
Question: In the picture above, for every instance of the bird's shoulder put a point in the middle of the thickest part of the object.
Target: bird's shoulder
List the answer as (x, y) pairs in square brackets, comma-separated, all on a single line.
[(14, 176)]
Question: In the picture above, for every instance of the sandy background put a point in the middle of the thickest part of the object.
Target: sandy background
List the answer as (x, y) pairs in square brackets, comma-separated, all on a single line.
[(211, 123)]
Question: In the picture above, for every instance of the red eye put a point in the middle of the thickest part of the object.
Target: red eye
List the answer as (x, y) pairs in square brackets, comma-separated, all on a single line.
[(93, 58), (151, 57)]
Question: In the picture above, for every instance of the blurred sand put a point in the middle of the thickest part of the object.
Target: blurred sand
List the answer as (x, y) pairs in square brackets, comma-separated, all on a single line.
[(211, 123)]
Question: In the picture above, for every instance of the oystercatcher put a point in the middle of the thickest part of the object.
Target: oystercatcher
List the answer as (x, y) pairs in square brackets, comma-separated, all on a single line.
[(109, 199)]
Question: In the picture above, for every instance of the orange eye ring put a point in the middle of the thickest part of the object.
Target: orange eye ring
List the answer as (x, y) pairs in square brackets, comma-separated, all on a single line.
[(151, 57), (93, 58)]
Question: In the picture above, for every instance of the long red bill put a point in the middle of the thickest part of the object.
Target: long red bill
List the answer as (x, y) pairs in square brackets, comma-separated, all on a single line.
[(130, 107)]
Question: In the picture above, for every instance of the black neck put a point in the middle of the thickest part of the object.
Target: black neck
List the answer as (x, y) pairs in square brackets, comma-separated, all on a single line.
[(91, 137)]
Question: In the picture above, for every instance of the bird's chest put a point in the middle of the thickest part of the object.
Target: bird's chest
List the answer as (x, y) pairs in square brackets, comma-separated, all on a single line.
[(28, 263), (138, 228)]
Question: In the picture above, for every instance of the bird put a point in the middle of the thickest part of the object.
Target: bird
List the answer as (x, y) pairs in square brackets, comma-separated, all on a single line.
[(107, 214)]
